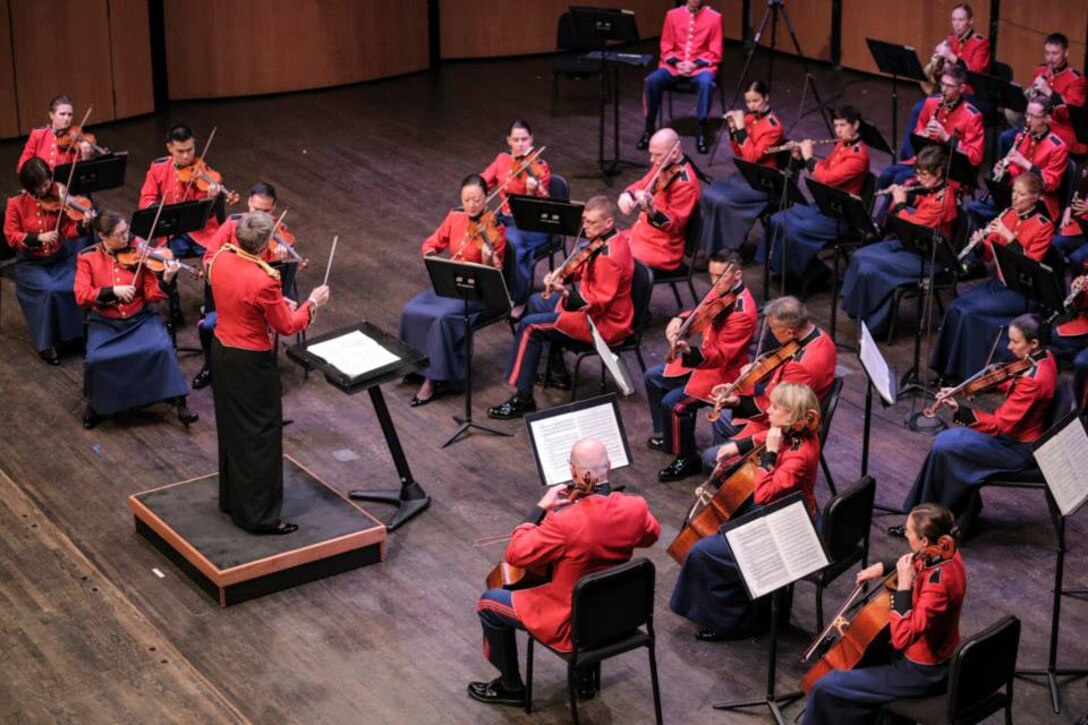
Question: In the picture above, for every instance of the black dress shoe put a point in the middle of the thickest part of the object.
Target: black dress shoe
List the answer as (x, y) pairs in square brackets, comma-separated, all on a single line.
[(279, 529), (558, 379), (50, 356), (656, 444), (417, 401), (644, 142), (701, 145), (897, 531), (495, 693), (515, 407), (91, 418), (202, 379), (187, 416), (680, 468)]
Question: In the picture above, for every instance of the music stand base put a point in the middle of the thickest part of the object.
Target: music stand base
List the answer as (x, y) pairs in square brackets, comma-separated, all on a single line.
[(1052, 676), (467, 425), (410, 501), (774, 704)]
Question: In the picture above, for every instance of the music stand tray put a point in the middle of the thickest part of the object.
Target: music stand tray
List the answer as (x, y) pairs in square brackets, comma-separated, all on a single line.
[(97, 174), (842, 206), (1000, 194), (603, 25), (771, 182), (1033, 280), (998, 91), (961, 168), (541, 214), (187, 216), (896, 60), (918, 240)]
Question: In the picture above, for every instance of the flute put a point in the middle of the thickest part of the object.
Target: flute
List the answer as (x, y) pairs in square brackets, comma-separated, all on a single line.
[(790, 144)]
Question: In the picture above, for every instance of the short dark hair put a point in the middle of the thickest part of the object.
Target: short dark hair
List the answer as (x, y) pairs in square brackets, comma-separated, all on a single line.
[(181, 132), (758, 87), (847, 113), (34, 172), (1046, 103), (727, 256), (106, 221), (1057, 39), (932, 521), (474, 180), (1032, 327), (519, 123), (965, 8), (263, 188), (59, 100), (956, 72), (931, 159)]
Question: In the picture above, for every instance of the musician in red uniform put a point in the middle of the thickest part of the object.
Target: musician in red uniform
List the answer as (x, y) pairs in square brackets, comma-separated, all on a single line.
[(130, 360), (1063, 84), (577, 531), (691, 50), (603, 295), (1073, 229), (657, 237), (801, 231), (42, 142), (677, 390), (731, 206), (990, 443), (1070, 339), (248, 412), (534, 180), (45, 244), (435, 324), (709, 590), (924, 624), (744, 412)]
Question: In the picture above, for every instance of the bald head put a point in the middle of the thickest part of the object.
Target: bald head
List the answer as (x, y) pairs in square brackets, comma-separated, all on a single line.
[(661, 143), (589, 462)]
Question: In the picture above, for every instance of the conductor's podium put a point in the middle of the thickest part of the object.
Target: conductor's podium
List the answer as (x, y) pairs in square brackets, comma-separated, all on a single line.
[(183, 521)]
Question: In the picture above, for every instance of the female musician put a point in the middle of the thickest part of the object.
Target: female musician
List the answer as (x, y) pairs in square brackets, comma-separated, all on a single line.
[(731, 206), (989, 443), (876, 270), (45, 259), (42, 142), (969, 323), (435, 324), (130, 360), (709, 590), (533, 181), (801, 231), (925, 629)]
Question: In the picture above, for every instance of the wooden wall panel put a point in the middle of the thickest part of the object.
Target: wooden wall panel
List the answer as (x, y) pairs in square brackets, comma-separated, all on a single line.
[(9, 110), (249, 47), (1023, 26), (495, 28), (45, 65), (812, 22), (130, 53), (732, 17)]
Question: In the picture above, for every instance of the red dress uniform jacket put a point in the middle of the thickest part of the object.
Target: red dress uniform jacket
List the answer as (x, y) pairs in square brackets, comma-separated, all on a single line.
[(973, 52), (1048, 155), (590, 534), (657, 240), (1022, 416), (925, 621), (761, 131), (723, 352), (161, 184), (1069, 88), (962, 120), (97, 271), (1078, 224), (604, 295), (24, 220), (694, 37), (794, 468), (452, 234), (846, 167), (43, 144), (938, 206), (1033, 234), (225, 234), (503, 167), (249, 300)]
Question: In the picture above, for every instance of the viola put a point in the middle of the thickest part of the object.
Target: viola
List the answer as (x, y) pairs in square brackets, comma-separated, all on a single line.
[(534, 167), (667, 177), (74, 135), (76, 208), (986, 379), (517, 173), (707, 312), (577, 259), (153, 258), (202, 176), (757, 372), (282, 238)]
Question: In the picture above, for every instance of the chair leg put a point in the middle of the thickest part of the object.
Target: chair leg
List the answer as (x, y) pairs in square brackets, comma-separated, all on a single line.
[(691, 288), (676, 294), (603, 382), (891, 319), (638, 356), (827, 475), (653, 682), (571, 694), (574, 380), (529, 676), (819, 608)]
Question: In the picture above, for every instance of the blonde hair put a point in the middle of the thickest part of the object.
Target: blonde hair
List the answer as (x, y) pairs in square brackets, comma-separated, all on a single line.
[(799, 400)]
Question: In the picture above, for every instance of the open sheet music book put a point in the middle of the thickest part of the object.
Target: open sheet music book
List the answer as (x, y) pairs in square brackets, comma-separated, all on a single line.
[(354, 354), (1063, 458)]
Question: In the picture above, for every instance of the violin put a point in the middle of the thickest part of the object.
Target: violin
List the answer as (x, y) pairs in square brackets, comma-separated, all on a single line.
[(74, 135), (533, 167), (76, 208), (153, 258), (484, 232), (518, 173), (985, 379), (577, 259), (282, 238), (845, 643), (761, 368), (204, 177), (707, 312)]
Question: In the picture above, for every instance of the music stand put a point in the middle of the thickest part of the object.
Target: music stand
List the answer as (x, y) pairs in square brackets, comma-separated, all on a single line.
[(602, 26), (998, 92), (1000, 194), (1078, 118), (186, 216), (881, 377), (959, 167), (552, 432), (411, 499), (1033, 280), (469, 282), (97, 174), (542, 214), (898, 61), (769, 547), (781, 189)]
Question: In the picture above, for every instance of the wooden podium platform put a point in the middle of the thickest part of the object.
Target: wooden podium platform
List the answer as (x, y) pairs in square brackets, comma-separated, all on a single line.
[(183, 521)]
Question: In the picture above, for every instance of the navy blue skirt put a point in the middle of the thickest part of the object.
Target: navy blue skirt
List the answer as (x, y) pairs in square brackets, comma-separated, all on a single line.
[(44, 288), (524, 245), (806, 232), (874, 273), (970, 323), (729, 209), (435, 325), (130, 363)]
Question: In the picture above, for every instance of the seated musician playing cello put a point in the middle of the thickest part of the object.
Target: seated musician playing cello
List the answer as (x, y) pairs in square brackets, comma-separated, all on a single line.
[(709, 590), (130, 360), (924, 624), (577, 530)]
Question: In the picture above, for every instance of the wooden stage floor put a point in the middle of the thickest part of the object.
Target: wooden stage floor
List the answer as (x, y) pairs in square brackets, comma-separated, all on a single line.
[(96, 624)]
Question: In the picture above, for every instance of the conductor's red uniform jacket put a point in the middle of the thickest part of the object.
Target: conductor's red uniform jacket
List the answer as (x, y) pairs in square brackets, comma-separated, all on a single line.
[(846, 167), (25, 219), (1022, 416), (161, 184), (452, 234), (657, 240), (694, 37), (1069, 89), (43, 144), (249, 300), (603, 294), (961, 119), (97, 272), (1048, 155), (590, 534), (724, 349), (761, 131), (925, 621), (504, 166)]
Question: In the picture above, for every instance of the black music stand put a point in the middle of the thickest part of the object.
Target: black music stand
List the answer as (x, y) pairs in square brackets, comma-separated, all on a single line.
[(1078, 117), (469, 282), (959, 167), (552, 432), (542, 214), (1033, 280), (186, 216), (898, 61), (411, 499), (97, 174), (602, 26), (998, 92), (781, 189), (1000, 194), (881, 377)]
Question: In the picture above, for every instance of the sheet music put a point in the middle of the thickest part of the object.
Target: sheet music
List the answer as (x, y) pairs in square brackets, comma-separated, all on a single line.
[(553, 438), (611, 361), (876, 367), (1063, 460), (353, 354), (778, 549)]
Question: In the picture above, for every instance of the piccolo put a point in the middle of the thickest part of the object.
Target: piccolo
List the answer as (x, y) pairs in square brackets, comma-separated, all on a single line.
[(790, 144)]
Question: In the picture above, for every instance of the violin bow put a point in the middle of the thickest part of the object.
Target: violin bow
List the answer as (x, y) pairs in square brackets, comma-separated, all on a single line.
[(67, 192), (525, 164), (547, 291), (290, 250), (147, 242), (204, 153), (657, 172)]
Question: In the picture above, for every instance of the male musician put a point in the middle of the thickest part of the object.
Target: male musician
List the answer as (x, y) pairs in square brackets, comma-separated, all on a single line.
[(678, 389), (657, 238), (947, 118), (1063, 84), (577, 530), (248, 412), (745, 411), (801, 231), (691, 49), (603, 296)]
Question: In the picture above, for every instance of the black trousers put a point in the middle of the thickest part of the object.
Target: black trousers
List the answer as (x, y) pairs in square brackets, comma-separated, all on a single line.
[(249, 423)]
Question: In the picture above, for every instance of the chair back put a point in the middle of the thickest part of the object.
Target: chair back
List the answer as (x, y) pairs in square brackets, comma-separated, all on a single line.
[(847, 518), (982, 664), (693, 234), (1001, 70), (567, 39), (827, 408), (611, 603), (1065, 188), (1063, 403), (642, 287), (868, 188), (559, 187)]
